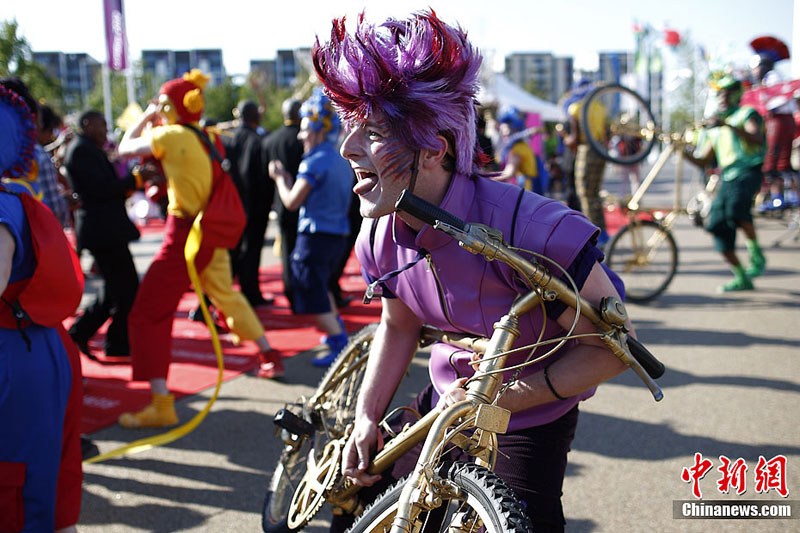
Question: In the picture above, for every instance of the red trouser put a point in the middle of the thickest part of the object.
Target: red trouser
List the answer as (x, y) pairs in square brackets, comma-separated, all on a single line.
[(70, 474), (780, 132), (150, 319)]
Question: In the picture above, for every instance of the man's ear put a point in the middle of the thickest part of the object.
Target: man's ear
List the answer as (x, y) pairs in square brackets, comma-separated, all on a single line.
[(430, 158)]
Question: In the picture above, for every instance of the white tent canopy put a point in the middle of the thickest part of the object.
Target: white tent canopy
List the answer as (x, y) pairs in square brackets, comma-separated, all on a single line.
[(497, 89)]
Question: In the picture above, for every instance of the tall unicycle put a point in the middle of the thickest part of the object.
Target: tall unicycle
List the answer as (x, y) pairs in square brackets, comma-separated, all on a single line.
[(626, 131)]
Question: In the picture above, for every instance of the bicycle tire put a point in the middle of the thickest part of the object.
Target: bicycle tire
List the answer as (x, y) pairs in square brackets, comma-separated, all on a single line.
[(645, 256), (340, 397), (629, 115), (484, 492)]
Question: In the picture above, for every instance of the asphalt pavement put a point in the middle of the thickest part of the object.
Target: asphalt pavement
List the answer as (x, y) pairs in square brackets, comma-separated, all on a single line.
[(732, 388)]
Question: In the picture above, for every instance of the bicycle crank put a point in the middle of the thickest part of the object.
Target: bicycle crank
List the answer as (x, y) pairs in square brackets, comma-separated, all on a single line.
[(319, 478)]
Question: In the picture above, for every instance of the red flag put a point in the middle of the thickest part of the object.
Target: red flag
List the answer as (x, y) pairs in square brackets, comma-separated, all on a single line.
[(672, 38)]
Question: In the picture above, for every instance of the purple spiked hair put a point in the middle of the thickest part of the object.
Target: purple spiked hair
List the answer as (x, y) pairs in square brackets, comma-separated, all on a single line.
[(421, 73)]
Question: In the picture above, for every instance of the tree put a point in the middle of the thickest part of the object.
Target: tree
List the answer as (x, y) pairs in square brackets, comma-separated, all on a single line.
[(532, 86), (119, 94), (684, 106), (221, 100), (269, 96), (16, 59)]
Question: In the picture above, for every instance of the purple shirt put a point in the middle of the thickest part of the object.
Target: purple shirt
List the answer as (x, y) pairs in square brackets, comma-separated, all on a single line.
[(472, 293)]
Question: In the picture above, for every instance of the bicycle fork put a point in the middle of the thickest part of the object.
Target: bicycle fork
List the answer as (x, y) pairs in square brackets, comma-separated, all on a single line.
[(422, 492)]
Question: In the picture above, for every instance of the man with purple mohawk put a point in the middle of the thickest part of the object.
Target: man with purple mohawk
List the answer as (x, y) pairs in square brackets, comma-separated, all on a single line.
[(407, 91)]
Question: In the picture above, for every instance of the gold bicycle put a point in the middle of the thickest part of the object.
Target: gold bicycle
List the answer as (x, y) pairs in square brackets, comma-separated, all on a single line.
[(644, 252), (466, 496)]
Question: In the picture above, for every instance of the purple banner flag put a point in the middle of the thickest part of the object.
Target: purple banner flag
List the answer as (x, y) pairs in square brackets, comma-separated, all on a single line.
[(116, 41)]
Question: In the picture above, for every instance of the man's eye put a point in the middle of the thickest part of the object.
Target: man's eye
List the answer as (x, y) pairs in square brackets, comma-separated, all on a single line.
[(374, 135)]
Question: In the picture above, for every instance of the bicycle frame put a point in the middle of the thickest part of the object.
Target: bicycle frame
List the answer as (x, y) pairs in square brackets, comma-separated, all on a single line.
[(422, 492), (675, 146)]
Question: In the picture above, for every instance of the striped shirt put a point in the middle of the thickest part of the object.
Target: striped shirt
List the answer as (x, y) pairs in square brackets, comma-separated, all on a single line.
[(48, 184)]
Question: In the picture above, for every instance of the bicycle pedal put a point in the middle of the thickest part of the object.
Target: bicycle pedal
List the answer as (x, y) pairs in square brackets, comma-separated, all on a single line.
[(292, 423)]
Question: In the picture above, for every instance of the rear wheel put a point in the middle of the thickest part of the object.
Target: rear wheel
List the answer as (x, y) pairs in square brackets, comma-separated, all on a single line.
[(479, 501), (331, 409), (645, 256), (631, 126)]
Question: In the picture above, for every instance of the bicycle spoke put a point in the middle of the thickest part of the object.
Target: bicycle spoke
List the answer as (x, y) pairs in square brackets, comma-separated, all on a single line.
[(644, 254)]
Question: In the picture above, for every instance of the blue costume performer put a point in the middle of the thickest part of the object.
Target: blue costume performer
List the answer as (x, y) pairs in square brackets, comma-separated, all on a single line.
[(35, 372), (322, 192)]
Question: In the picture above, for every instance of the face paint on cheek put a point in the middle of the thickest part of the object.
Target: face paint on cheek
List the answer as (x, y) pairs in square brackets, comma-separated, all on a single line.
[(397, 159)]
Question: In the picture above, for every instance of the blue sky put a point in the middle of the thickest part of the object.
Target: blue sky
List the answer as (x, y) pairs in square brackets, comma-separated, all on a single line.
[(254, 29)]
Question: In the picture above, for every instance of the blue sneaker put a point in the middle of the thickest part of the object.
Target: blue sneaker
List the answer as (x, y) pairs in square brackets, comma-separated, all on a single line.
[(324, 338), (336, 343), (775, 203)]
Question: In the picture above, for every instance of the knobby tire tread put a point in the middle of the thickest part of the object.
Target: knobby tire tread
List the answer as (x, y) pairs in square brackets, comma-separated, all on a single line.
[(508, 512)]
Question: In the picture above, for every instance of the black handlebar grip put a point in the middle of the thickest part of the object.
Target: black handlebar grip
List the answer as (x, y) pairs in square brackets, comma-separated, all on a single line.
[(425, 211), (653, 366)]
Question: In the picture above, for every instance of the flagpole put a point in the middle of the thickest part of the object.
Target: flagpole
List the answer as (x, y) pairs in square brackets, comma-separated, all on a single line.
[(107, 96), (131, 92)]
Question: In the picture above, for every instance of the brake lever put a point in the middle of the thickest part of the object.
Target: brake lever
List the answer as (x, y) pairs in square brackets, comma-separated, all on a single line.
[(477, 239)]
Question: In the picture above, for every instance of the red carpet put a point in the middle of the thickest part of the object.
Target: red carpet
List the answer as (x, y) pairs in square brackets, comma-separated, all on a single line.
[(109, 391)]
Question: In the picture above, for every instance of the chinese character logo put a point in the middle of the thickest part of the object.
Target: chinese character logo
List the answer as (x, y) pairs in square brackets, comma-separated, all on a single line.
[(733, 475), (771, 475), (696, 472), (768, 475)]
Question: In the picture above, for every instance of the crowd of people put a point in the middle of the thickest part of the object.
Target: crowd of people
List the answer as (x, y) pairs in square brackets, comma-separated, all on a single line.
[(322, 181), (82, 187)]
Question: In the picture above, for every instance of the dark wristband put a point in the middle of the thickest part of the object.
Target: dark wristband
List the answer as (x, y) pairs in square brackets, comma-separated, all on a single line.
[(550, 385)]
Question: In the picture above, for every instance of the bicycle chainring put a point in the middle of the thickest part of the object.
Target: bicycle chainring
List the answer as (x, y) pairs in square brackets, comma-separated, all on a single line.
[(319, 479)]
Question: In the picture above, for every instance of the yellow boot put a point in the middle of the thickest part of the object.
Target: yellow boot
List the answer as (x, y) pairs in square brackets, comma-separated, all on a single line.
[(160, 413)]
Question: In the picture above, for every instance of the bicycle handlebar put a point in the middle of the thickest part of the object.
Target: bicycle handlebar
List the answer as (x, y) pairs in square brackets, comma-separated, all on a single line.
[(638, 357), (653, 366), (426, 212)]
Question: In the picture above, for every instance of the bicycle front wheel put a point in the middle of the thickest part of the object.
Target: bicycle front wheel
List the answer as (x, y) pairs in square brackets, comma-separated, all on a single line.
[(645, 256), (288, 472), (630, 131), (483, 503), (331, 409)]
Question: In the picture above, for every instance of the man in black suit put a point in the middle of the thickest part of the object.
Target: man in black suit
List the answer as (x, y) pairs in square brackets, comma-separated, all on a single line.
[(284, 146), (102, 226), (258, 192)]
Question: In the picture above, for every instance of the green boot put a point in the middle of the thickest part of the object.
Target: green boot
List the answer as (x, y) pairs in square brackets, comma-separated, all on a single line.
[(757, 260), (740, 282)]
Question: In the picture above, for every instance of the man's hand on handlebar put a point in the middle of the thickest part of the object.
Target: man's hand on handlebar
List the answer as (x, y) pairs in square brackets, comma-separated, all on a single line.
[(357, 455), (454, 393)]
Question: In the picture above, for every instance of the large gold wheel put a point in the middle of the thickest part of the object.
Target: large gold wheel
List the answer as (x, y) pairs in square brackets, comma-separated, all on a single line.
[(630, 130)]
